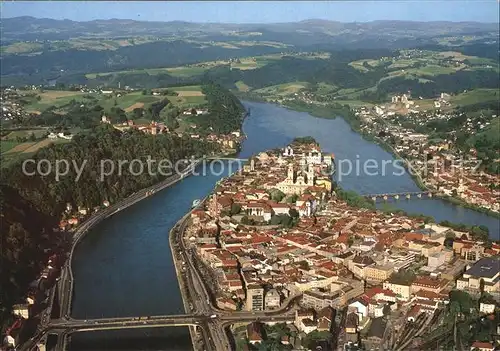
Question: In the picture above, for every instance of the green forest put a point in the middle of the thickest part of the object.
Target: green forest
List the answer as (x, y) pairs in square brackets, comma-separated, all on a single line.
[(226, 113)]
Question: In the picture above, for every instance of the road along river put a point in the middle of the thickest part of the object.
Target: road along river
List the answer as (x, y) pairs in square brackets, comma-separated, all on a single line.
[(123, 267)]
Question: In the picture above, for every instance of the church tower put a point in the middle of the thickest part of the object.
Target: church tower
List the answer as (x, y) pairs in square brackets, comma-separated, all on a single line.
[(310, 175), (290, 171)]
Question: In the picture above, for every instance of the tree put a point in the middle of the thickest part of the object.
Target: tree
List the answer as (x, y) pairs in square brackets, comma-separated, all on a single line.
[(304, 140), (193, 112), (292, 199), (276, 195), (448, 242), (137, 113), (350, 241), (293, 213), (235, 209)]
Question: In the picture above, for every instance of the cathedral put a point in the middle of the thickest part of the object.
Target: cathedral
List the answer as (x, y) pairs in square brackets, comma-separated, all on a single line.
[(297, 182)]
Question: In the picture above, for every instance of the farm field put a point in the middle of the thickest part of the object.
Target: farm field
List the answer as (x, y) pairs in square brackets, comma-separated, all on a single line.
[(242, 86), (244, 63), (475, 96), (13, 151), (189, 96), (423, 65), (20, 147), (283, 89), (24, 134), (463, 99), (50, 98), (7, 145), (97, 44)]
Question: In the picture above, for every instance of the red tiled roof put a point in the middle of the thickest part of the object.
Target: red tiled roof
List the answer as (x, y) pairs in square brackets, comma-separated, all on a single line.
[(482, 345)]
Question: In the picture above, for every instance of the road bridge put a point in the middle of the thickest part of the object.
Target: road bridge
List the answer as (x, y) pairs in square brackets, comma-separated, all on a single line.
[(75, 325), (225, 158), (68, 326), (404, 194)]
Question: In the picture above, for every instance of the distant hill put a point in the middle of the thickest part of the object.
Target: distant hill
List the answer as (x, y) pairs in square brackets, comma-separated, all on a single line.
[(39, 50), (30, 28)]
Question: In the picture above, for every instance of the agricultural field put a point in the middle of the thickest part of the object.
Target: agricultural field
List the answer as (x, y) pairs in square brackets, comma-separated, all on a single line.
[(185, 71), (423, 65), (241, 86), (7, 145), (360, 65), (463, 99), (13, 151), (91, 44), (283, 89), (37, 102), (21, 48), (17, 134), (324, 88), (475, 96), (273, 44), (197, 69)]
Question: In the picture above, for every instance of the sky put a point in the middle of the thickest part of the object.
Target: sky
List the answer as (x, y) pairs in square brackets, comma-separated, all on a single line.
[(258, 11)]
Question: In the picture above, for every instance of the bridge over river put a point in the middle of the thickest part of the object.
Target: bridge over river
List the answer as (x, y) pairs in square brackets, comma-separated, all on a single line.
[(77, 325), (225, 158), (396, 196)]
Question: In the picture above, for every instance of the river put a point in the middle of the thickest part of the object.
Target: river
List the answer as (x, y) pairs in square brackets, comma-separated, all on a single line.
[(124, 267)]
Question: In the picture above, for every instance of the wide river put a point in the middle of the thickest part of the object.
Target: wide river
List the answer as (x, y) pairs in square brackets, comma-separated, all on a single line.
[(124, 265)]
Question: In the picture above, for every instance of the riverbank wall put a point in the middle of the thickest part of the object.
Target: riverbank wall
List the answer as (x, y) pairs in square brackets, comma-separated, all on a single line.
[(178, 271), (182, 287)]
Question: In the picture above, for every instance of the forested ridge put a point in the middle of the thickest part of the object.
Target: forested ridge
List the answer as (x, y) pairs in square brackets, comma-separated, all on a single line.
[(102, 143), (25, 234), (226, 113)]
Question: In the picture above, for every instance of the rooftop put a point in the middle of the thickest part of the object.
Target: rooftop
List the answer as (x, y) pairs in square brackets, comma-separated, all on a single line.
[(486, 267)]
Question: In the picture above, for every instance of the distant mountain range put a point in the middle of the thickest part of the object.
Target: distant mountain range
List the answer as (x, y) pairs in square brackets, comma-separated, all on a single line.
[(319, 31)]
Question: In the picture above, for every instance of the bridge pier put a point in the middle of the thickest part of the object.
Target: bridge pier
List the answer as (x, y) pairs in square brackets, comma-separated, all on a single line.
[(374, 198), (430, 194), (396, 197), (419, 196), (408, 196), (385, 197)]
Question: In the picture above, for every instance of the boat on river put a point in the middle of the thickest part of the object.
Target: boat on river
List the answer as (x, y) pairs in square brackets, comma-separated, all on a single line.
[(196, 203)]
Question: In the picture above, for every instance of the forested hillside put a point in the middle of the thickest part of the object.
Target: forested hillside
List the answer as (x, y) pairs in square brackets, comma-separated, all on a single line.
[(226, 111), (102, 143), (25, 235)]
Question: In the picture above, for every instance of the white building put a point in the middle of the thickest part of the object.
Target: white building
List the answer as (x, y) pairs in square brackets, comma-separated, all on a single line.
[(361, 307), (487, 308), (21, 311), (272, 299)]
